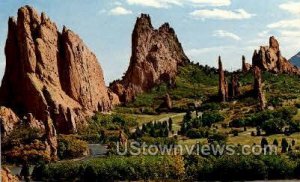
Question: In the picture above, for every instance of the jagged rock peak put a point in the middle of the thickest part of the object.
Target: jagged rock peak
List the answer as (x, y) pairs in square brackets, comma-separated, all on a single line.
[(269, 58), (143, 21), (51, 74), (156, 55)]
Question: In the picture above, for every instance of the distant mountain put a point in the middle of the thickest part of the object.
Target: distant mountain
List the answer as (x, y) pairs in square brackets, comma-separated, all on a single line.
[(296, 60)]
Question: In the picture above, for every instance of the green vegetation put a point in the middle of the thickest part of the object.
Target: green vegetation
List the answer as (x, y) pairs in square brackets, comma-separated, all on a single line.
[(192, 167), (199, 127), (113, 168), (193, 82), (70, 147), (24, 144), (104, 128)]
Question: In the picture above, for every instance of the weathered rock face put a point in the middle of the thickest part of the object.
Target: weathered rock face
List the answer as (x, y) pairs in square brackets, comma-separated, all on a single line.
[(245, 66), (51, 75), (6, 175), (269, 58), (223, 88), (258, 88), (8, 120), (156, 55)]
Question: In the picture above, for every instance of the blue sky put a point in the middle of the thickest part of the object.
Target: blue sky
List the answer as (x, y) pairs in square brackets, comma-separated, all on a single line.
[(206, 28)]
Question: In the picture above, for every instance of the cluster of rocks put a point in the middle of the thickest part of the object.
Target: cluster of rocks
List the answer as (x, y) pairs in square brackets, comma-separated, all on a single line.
[(52, 81), (156, 55), (232, 90), (269, 58)]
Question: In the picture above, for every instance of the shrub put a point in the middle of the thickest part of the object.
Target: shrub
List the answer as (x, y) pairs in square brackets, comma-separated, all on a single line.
[(209, 118), (273, 126), (71, 147), (237, 123), (158, 141), (239, 168), (218, 137), (212, 106), (197, 133), (279, 167)]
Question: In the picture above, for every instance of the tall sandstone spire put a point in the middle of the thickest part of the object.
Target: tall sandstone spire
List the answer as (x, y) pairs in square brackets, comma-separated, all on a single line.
[(156, 55), (245, 66), (223, 90), (258, 88), (51, 74)]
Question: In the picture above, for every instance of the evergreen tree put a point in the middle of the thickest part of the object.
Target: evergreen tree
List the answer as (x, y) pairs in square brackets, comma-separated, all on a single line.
[(170, 124), (275, 142), (264, 143), (284, 145)]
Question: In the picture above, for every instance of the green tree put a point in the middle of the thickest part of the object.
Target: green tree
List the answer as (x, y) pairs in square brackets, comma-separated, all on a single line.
[(170, 124), (284, 145), (275, 142), (264, 143), (273, 126)]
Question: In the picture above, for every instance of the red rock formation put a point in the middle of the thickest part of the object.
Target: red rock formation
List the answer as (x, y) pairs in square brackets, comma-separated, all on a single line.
[(234, 87), (258, 88), (269, 58), (6, 175), (8, 120), (245, 66), (156, 55), (50, 74), (223, 89)]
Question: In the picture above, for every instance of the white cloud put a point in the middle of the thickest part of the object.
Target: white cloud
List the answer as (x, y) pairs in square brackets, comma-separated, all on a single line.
[(210, 2), (264, 33), (117, 3), (220, 14), (119, 10), (225, 34), (288, 33), (169, 3), (292, 7), (291, 23), (155, 3)]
